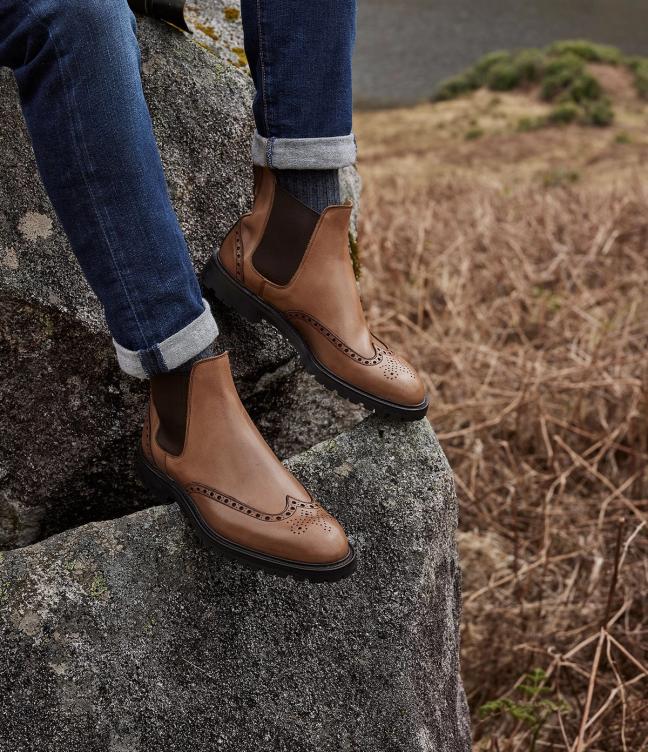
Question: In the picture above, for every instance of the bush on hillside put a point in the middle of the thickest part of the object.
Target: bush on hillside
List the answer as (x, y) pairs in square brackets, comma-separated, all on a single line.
[(639, 67), (563, 77), (589, 51)]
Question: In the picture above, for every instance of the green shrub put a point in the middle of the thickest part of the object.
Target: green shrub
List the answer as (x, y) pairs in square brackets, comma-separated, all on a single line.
[(530, 64), (599, 113), (559, 75), (589, 51), (622, 138), (560, 69), (584, 88), (456, 86), (554, 85), (565, 87), (485, 63), (564, 113), (503, 76), (640, 71), (527, 124), (473, 134), (564, 65)]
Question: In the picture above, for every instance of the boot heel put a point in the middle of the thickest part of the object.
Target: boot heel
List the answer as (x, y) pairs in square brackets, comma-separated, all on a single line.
[(215, 279)]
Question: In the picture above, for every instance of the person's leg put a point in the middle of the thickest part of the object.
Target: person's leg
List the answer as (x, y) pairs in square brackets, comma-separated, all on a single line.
[(300, 58), (77, 67), (288, 261)]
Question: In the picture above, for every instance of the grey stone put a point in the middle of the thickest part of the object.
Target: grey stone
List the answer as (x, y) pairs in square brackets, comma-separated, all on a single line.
[(129, 635), (69, 419), (351, 188), (293, 411), (125, 635), (217, 27)]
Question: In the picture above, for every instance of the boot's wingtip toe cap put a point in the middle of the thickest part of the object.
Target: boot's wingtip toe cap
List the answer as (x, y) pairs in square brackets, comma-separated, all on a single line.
[(412, 393), (328, 548), (416, 398), (339, 552)]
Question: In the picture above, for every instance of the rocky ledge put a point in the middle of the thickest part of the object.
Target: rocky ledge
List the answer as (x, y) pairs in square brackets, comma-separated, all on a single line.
[(127, 635)]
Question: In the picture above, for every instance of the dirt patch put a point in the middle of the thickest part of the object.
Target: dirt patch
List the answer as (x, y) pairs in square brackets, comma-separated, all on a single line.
[(617, 81)]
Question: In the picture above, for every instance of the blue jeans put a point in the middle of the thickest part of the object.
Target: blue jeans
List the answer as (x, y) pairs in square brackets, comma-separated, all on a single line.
[(77, 66), (300, 57)]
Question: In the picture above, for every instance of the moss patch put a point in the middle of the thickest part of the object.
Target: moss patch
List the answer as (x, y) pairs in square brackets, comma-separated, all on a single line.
[(354, 250), (241, 57), (207, 30), (99, 586), (231, 13)]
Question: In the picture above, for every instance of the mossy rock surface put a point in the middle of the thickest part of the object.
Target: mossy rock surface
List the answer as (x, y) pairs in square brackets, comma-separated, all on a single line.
[(129, 635)]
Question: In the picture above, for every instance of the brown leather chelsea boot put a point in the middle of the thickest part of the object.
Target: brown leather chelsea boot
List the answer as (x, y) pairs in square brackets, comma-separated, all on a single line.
[(285, 263), (201, 449)]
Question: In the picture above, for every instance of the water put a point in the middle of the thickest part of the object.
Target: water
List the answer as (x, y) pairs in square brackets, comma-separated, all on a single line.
[(405, 47)]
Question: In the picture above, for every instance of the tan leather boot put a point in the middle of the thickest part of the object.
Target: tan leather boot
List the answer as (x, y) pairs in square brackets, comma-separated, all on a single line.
[(287, 264), (201, 449)]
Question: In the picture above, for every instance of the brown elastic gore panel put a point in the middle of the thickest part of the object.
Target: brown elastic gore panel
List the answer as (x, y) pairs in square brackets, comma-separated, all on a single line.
[(170, 392), (257, 173), (285, 239)]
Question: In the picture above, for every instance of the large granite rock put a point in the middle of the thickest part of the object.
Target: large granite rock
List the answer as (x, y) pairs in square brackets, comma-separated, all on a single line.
[(128, 636), (68, 418)]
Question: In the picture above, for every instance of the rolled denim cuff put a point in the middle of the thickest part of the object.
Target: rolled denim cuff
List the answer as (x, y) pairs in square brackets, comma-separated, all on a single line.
[(304, 153), (173, 351)]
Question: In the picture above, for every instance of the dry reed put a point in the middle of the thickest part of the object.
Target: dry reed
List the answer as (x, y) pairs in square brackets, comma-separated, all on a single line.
[(527, 312)]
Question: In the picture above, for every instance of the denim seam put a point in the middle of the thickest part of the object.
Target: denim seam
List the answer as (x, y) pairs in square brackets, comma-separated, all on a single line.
[(263, 69), (172, 352), (269, 152), (82, 167), (151, 361), (159, 360)]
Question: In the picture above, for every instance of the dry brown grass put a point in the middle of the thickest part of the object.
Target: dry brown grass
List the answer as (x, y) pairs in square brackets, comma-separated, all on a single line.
[(524, 303)]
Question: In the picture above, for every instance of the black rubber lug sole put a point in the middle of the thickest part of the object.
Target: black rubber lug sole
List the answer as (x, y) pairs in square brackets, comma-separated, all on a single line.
[(167, 490), (219, 281)]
